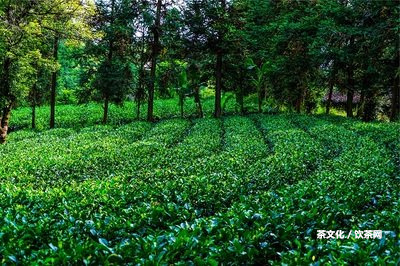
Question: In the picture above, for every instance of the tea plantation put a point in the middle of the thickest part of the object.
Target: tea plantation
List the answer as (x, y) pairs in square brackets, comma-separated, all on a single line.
[(242, 189)]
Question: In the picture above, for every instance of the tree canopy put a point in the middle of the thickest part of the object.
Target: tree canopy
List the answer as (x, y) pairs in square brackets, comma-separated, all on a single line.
[(293, 55)]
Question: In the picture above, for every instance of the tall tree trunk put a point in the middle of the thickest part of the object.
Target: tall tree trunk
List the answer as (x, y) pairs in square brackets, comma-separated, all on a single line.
[(369, 106), (218, 69), (369, 101), (350, 83), (138, 101), (218, 85), (140, 88), (299, 100), (197, 100), (350, 91), (5, 91), (298, 105), (105, 110), (349, 103), (329, 102), (53, 85), (5, 78), (33, 116), (360, 105), (4, 120), (154, 54), (395, 108), (106, 95), (34, 106), (395, 112)]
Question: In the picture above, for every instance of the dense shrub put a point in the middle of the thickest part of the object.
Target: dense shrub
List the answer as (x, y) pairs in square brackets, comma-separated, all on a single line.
[(244, 190)]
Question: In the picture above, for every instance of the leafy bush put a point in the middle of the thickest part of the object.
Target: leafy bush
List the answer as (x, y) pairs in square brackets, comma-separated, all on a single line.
[(236, 190)]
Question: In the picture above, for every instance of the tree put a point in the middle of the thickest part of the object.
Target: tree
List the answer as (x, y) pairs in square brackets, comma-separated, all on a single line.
[(24, 24), (109, 74), (155, 49)]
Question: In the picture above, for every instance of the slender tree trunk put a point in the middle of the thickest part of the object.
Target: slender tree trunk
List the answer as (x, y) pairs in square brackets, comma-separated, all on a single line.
[(299, 100), (349, 103), (218, 85), (5, 90), (360, 107), (105, 110), (197, 100), (53, 85), (298, 105), (33, 116), (34, 106), (218, 70), (139, 91), (395, 112), (350, 84), (350, 91), (110, 62), (154, 54), (370, 106), (4, 120), (138, 109), (5, 78), (395, 108), (329, 102)]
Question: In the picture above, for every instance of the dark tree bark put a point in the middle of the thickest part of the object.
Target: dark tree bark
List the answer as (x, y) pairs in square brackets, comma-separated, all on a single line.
[(5, 91), (110, 62), (395, 109), (350, 91), (154, 54), (298, 105), (139, 91), (299, 100), (218, 85), (33, 116), (369, 101), (34, 106), (349, 103), (361, 104), (369, 106), (138, 102), (350, 83), (4, 121), (329, 102), (218, 69), (395, 106), (53, 85)]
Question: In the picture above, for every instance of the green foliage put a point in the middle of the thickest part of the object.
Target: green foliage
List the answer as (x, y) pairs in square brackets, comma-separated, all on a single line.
[(233, 190)]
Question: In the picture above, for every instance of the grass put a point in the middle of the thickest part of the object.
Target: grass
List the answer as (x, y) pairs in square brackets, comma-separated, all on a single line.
[(78, 116), (241, 189)]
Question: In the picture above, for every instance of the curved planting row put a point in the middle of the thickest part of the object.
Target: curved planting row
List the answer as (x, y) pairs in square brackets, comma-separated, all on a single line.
[(345, 193), (387, 134), (295, 154), (179, 193)]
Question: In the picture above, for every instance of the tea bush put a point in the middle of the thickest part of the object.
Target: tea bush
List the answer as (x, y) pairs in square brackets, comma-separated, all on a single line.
[(236, 190)]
